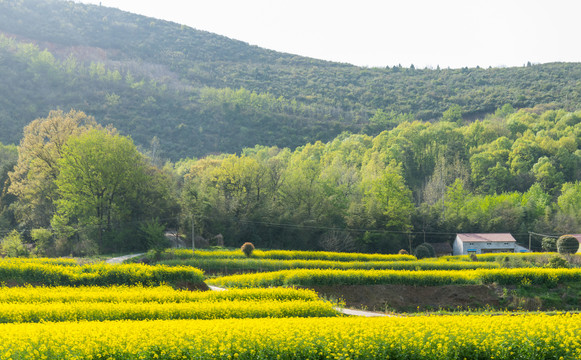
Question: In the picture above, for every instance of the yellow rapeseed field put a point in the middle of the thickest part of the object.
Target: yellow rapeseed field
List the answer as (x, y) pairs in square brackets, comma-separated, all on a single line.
[(310, 277), (529, 337), (38, 304)]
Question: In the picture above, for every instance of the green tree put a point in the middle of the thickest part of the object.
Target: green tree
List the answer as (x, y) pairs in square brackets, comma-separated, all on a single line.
[(389, 201), (567, 244), (547, 175), (12, 246), (154, 234), (100, 176), (453, 114), (33, 179), (549, 244), (44, 242)]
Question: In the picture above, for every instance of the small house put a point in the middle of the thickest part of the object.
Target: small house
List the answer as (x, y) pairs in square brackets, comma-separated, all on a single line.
[(465, 244), (442, 249)]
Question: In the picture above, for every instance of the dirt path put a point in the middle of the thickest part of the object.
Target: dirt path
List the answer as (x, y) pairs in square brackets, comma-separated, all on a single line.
[(120, 259), (360, 313), (341, 310)]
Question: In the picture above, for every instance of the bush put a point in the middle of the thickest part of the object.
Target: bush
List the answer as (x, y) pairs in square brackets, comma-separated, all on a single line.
[(473, 257), (154, 234), (422, 251), (12, 245), (430, 249), (567, 244), (549, 244), (557, 262), (403, 252), (247, 248)]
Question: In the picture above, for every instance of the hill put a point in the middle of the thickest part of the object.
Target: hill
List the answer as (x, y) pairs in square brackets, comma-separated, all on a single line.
[(201, 93)]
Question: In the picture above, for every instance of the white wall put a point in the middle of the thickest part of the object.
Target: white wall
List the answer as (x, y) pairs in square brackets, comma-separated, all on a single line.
[(462, 248)]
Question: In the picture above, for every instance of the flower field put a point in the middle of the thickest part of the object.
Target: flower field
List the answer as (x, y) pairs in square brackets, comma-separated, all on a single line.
[(284, 255), (440, 338), (137, 311), (35, 271), (263, 264), (95, 311), (550, 277), (41, 304), (145, 294)]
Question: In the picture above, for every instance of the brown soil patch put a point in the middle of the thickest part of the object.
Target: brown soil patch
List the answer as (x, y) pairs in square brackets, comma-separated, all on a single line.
[(192, 286), (405, 298)]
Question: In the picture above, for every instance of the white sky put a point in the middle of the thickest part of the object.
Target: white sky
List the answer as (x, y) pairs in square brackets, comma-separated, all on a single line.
[(449, 33)]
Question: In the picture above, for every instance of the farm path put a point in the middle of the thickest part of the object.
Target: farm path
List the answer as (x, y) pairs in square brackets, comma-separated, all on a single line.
[(341, 310), (120, 259)]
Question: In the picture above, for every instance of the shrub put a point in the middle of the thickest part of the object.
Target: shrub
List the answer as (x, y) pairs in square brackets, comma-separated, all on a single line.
[(422, 251), (430, 249), (567, 244), (549, 244), (403, 252), (154, 234), (473, 257), (557, 262), (12, 245), (247, 248)]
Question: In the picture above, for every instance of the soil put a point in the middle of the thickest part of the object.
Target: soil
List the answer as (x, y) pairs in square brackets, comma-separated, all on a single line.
[(405, 298), (192, 286)]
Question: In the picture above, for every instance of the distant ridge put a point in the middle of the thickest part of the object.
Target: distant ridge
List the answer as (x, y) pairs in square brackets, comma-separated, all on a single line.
[(201, 93)]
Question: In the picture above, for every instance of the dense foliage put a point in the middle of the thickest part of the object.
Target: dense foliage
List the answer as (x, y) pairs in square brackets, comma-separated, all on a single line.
[(515, 171), (182, 92), (91, 191)]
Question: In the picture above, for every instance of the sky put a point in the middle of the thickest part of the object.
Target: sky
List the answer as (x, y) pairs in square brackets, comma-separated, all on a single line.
[(375, 33)]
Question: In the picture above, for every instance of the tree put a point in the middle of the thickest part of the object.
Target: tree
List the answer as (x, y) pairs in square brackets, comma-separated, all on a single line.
[(547, 175), (453, 114), (389, 200), (423, 251), (153, 231), (549, 244), (33, 177), (100, 177), (569, 208), (567, 244), (12, 246)]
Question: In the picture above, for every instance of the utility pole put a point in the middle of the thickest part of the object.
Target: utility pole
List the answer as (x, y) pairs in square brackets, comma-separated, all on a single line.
[(530, 241), (177, 232), (193, 236)]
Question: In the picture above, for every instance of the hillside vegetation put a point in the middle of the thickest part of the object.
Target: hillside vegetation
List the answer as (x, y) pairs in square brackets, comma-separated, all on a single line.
[(79, 188), (199, 93)]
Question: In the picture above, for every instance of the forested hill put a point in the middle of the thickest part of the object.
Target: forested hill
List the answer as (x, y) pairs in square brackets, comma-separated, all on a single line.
[(201, 93)]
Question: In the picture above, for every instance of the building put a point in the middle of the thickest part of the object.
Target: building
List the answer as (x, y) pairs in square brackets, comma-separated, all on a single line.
[(484, 243), (442, 249)]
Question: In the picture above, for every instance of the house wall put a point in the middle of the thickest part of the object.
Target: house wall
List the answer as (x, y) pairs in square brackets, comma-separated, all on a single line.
[(482, 247), (457, 247)]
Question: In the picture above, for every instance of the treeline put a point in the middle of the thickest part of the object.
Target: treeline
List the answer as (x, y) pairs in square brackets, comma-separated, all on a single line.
[(196, 92), (92, 191), (515, 171)]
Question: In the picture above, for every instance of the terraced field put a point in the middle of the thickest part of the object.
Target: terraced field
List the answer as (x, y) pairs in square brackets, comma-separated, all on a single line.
[(59, 310)]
